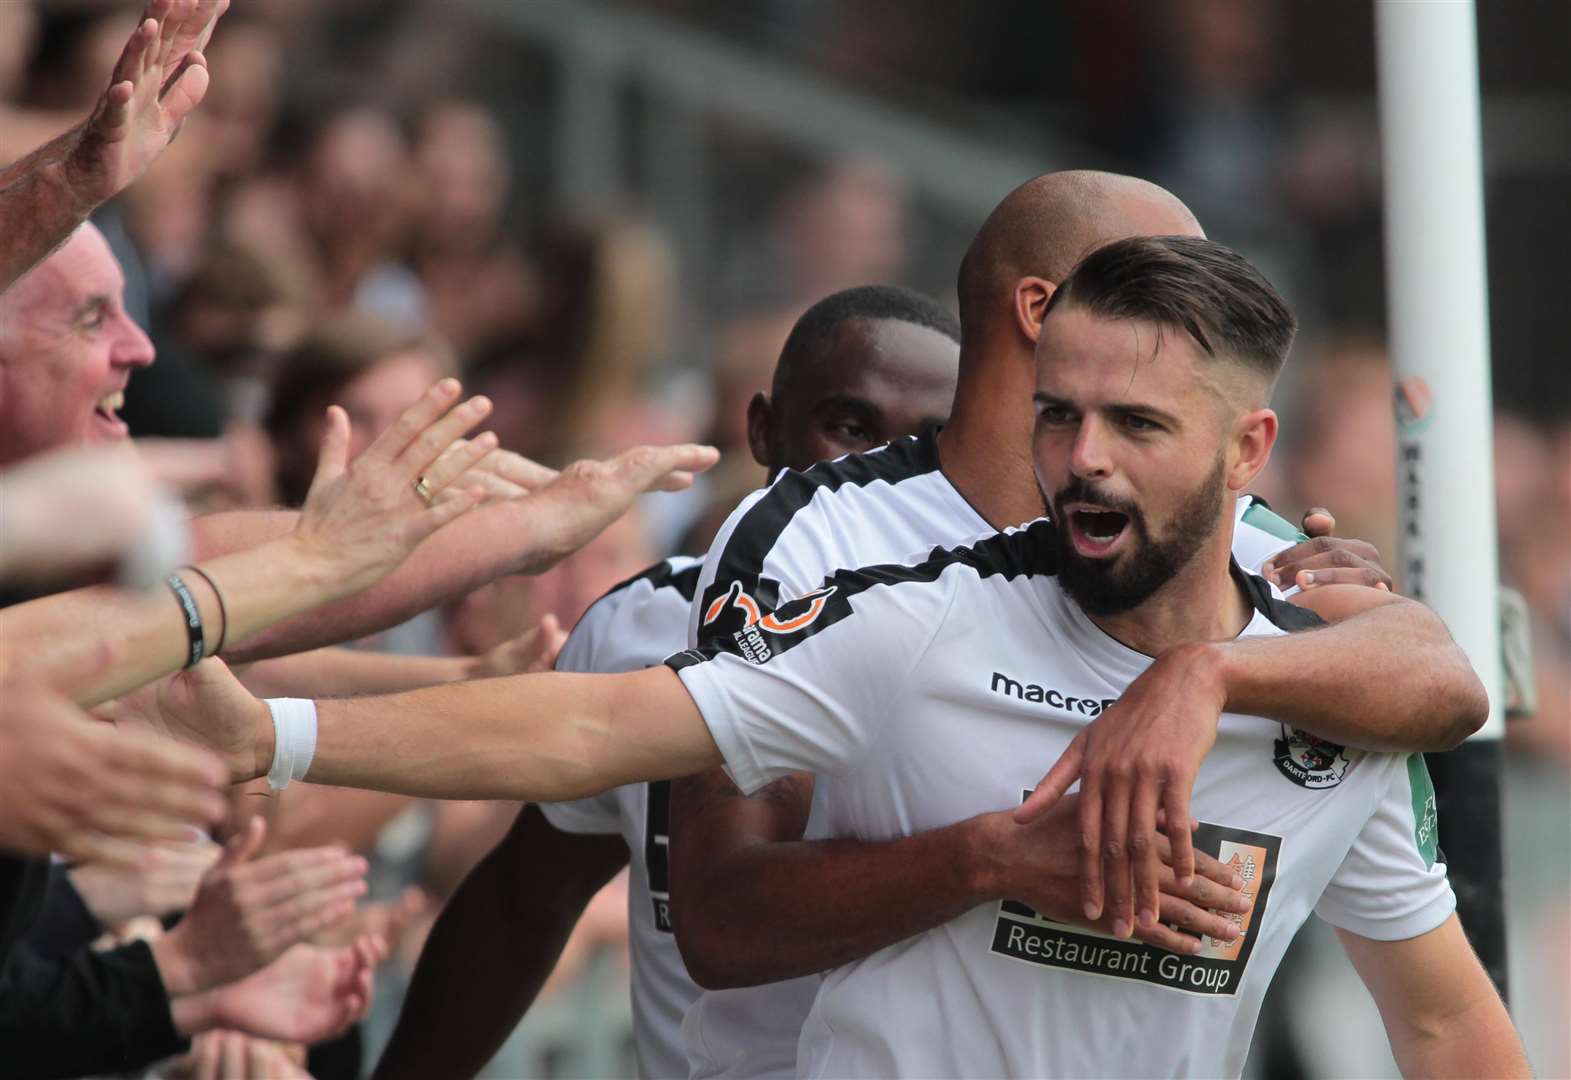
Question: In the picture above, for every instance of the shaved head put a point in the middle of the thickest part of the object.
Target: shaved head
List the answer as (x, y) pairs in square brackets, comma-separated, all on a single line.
[(1049, 223)]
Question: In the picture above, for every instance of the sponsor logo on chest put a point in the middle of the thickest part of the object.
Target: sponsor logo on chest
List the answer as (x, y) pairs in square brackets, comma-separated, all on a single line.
[(1049, 696), (1024, 934)]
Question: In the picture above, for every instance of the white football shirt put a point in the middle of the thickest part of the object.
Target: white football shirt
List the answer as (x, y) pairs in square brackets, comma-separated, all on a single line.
[(880, 506), (934, 691), (634, 626)]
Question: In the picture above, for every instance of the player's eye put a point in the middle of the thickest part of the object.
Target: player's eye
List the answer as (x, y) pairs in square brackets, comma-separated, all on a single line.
[(851, 430), (1055, 414), (1135, 422)]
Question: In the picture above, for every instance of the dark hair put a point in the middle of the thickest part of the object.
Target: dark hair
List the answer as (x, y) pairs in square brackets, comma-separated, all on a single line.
[(1207, 290), (810, 336), (332, 356)]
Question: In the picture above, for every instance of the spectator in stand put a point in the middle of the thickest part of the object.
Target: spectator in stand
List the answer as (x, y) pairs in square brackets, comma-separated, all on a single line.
[(339, 215), (370, 367), (606, 313), (478, 285), (1346, 441), (241, 108)]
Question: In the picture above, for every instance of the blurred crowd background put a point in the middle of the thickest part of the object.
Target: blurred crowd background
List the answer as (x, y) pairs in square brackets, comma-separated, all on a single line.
[(606, 216)]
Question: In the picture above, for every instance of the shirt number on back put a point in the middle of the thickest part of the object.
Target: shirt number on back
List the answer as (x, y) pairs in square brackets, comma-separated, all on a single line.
[(657, 852)]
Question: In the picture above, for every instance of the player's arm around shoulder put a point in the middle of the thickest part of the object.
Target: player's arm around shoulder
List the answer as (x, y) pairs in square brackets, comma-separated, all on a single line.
[(1441, 1012), (723, 878), (1405, 646)]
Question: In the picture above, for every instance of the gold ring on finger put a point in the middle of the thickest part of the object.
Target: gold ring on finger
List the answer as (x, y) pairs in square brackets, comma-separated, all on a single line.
[(423, 489)]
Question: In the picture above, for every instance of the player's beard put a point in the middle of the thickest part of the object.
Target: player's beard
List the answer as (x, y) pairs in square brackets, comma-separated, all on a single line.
[(1113, 586)]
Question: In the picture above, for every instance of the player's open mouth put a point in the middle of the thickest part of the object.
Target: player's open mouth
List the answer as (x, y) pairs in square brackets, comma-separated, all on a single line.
[(1096, 532), (106, 415)]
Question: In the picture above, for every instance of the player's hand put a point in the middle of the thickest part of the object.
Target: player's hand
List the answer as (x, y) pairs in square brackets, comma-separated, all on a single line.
[(305, 996), (1039, 864), (362, 518), (1325, 559), (160, 77), (206, 707), (534, 650), (1138, 758), (83, 790), (246, 913), (571, 510)]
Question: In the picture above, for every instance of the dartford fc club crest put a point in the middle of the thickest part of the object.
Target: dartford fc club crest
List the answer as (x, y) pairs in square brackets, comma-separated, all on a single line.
[(1310, 761)]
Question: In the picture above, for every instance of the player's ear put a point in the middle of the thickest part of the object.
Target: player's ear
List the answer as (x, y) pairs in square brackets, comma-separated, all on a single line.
[(1254, 434), (1029, 305), (760, 415)]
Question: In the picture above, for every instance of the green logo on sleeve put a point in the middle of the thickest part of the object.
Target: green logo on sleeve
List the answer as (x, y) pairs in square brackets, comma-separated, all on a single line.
[(1426, 825)]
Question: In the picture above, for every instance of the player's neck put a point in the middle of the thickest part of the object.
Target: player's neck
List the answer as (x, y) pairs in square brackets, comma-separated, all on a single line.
[(985, 449), (1201, 602)]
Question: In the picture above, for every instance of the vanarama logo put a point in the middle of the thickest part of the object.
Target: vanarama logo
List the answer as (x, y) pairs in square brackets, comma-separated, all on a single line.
[(778, 622), (1308, 760), (1003, 684), (734, 597), (793, 617)]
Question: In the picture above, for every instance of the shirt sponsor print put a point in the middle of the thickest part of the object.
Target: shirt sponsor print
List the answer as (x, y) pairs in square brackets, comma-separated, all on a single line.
[(795, 617), (1218, 969)]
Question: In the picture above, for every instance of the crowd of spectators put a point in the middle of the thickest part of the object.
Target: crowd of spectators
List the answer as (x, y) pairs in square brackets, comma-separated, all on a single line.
[(335, 246), (152, 916)]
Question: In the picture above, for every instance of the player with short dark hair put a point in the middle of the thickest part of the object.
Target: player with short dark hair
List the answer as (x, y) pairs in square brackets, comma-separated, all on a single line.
[(943, 490), (860, 367)]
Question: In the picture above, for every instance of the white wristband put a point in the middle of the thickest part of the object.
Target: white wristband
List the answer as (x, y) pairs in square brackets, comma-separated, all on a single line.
[(294, 739)]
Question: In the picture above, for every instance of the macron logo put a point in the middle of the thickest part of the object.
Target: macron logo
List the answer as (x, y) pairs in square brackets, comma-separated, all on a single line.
[(1003, 684)]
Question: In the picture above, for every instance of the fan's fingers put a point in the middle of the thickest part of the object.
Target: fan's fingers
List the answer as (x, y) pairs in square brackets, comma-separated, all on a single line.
[(435, 402)]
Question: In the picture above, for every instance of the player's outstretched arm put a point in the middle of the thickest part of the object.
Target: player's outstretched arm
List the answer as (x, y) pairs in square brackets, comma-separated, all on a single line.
[(1440, 1010), (740, 862), (500, 937), (159, 78), (550, 737), (507, 536)]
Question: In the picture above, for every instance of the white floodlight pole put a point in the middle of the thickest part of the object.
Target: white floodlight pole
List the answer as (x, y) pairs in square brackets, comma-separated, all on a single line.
[(1437, 303)]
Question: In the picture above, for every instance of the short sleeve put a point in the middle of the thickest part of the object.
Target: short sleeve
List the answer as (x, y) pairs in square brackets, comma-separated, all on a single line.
[(1392, 885), (598, 815), (714, 562), (775, 546), (811, 685)]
